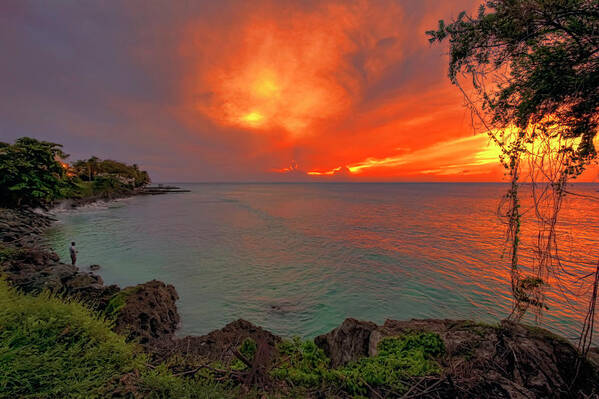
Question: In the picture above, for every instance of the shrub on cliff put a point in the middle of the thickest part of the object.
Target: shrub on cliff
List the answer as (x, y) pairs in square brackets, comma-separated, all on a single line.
[(30, 173)]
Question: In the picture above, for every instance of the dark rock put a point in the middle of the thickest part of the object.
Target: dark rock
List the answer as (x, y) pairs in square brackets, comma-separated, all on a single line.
[(509, 360), (215, 344), (348, 342), (149, 312), (21, 226), (94, 268), (594, 356), (33, 270)]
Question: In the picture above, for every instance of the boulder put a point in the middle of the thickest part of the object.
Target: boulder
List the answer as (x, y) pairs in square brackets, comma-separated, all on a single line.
[(146, 312), (348, 342)]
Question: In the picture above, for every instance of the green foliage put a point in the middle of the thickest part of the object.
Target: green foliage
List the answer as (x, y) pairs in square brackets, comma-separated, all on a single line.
[(95, 169), (50, 348), (532, 63), (430, 344), (248, 349), (105, 185), (307, 365), (161, 383), (119, 300), (77, 189), (398, 359), (53, 349), (30, 173)]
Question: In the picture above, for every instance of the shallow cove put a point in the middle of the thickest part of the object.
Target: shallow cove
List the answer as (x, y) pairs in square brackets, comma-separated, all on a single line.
[(297, 259)]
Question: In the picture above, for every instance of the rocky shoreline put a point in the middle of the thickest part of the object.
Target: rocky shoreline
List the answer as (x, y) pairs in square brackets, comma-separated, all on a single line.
[(507, 360), (71, 203)]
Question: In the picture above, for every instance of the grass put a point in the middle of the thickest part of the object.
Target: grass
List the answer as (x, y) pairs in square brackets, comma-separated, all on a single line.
[(161, 383), (50, 348)]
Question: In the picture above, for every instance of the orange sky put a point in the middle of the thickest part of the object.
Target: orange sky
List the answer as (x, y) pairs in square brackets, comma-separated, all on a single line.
[(261, 91), (342, 90)]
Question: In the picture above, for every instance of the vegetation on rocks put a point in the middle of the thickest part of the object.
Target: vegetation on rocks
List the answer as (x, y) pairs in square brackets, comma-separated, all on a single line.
[(118, 301), (398, 361)]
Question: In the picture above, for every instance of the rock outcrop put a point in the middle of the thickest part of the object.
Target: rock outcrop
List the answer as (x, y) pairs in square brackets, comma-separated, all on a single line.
[(348, 342), (146, 312), (22, 227), (33, 270), (215, 344), (508, 360)]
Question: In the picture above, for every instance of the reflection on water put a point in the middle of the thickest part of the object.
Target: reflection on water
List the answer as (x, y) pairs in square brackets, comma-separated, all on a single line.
[(299, 258)]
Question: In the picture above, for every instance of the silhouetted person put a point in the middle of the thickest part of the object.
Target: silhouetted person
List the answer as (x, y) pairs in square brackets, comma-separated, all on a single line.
[(73, 252)]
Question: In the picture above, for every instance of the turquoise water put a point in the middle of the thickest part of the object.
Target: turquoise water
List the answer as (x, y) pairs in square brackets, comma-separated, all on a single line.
[(297, 259)]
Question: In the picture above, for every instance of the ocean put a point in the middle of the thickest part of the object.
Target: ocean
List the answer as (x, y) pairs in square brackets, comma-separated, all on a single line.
[(297, 259)]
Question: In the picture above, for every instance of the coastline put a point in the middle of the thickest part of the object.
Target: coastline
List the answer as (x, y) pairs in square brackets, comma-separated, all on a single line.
[(507, 359)]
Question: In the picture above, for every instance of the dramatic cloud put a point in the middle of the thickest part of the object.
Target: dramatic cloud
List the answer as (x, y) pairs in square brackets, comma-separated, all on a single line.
[(236, 90)]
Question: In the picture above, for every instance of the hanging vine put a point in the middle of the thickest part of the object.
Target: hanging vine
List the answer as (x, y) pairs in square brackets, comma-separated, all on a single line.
[(529, 72)]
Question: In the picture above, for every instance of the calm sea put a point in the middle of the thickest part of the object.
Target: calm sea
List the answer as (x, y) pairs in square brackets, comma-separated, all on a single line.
[(297, 259)]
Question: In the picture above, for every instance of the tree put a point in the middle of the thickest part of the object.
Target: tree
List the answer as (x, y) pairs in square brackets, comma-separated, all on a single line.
[(94, 169), (529, 70), (30, 173)]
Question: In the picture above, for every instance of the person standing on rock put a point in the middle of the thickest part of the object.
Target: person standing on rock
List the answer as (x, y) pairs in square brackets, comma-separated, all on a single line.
[(73, 252)]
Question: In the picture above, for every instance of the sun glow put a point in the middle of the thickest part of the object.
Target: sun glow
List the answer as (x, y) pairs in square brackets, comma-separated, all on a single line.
[(253, 118), (294, 85), (346, 100), (266, 87)]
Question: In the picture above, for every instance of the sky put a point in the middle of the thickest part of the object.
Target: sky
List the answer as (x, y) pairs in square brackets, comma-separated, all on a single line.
[(235, 90)]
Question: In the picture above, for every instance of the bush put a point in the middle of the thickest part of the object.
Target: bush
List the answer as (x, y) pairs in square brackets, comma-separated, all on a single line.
[(55, 349), (161, 383), (398, 360), (307, 364)]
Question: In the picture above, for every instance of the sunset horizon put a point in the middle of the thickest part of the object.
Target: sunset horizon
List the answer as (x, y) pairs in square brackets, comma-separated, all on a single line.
[(273, 199), (362, 96)]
